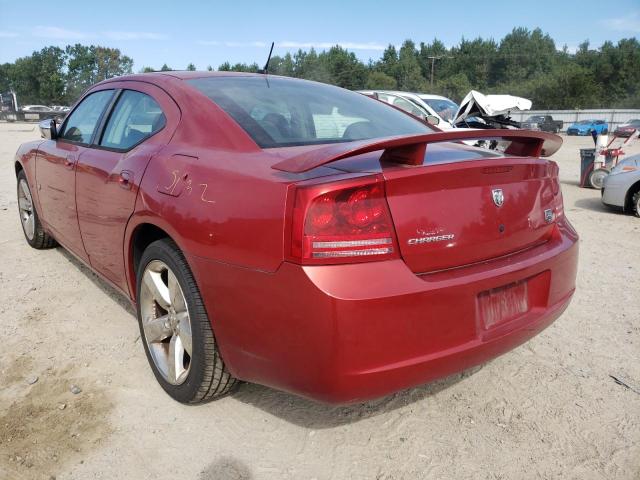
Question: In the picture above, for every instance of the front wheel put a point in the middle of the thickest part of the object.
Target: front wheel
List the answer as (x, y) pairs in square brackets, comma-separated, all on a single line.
[(596, 178), (31, 227), (175, 328)]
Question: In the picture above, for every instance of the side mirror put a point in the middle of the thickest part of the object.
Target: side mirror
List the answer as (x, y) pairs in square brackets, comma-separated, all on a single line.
[(432, 119), (48, 129)]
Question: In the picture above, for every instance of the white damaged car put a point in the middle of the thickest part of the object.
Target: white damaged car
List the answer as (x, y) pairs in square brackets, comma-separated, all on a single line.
[(621, 187)]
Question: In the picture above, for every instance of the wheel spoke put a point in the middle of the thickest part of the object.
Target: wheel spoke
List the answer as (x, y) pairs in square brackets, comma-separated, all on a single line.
[(159, 291), (184, 325), (25, 189), (157, 329), (29, 226), (25, 205), (176, 356), (175, 293)]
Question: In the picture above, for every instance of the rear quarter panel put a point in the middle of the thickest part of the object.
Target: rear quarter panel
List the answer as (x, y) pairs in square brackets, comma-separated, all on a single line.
[(217, 205)]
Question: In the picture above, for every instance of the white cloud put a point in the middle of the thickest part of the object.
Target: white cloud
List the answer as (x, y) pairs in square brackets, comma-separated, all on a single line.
[(287, 44), (8, 34), (347, 45), (629, 23), (57, 33), (234, 44), (119, 35)]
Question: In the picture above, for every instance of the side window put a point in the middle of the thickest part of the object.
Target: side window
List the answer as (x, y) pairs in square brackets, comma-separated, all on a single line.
[(135, 117), (82, 122), (407, 106)]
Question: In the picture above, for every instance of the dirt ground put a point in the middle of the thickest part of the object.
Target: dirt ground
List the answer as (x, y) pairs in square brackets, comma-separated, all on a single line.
[(549, 409)]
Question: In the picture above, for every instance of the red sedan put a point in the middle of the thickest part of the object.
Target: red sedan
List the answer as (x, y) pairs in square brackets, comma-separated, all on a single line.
[(299, 235)]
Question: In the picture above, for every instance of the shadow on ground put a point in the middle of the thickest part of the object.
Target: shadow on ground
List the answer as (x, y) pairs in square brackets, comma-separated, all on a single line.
[(313, 415), (595, 204), (226, 468), (108, 290)]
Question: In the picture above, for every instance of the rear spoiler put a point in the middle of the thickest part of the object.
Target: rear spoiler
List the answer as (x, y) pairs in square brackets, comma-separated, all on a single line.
[(410, 150)]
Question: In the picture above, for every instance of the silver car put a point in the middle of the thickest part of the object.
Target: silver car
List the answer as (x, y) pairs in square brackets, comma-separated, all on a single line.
[(622, 186)]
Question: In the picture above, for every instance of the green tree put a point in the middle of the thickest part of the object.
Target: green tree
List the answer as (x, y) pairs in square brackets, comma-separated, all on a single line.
[(381, 81), (165, 68), (191, 67), (88, 65), (408, 71)]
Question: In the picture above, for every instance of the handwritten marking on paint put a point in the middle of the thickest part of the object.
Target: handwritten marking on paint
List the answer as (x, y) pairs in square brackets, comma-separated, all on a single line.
[(172, 188), (204, 191), (174, 182)]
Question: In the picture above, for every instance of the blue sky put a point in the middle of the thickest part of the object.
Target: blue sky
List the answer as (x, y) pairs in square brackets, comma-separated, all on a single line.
[(210, 32)]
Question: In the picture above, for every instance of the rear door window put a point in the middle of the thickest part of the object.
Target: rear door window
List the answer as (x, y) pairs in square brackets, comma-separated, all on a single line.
[(135, 118)]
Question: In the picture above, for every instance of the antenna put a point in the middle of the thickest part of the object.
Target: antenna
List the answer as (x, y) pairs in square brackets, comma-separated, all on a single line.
[(266, 65)]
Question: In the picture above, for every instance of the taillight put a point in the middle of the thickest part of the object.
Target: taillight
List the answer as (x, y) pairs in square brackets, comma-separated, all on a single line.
[(342, 222)]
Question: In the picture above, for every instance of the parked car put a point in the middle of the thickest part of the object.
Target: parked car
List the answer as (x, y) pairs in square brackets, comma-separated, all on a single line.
[(627, 129), (36, 108), (621, 187), (546, 123), (60, 108), (421, 105), (35, 112), (295, 234), (585, 127)]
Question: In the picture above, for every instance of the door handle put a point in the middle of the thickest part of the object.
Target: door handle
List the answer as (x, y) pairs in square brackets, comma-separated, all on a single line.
[(125, 179), (69, 162)]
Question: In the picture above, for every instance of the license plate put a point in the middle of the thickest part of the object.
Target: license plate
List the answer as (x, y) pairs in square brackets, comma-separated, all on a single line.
[(502, 304), (31, 116)]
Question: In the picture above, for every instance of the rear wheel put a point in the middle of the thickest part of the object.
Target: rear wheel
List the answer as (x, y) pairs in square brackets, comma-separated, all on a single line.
[(636, 203), (596, 178), (175, 328), (31, 226)]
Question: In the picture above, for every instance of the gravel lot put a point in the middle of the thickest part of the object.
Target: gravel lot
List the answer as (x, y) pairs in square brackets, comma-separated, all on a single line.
[(549, 409)]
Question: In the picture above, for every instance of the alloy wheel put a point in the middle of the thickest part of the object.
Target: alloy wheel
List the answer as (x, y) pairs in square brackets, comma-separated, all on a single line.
[(25, 205), (166, 322)]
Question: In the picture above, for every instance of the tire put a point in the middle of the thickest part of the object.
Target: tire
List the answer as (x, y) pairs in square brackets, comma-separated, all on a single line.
[(34, 234), (596, 178), (197, 376), (635, 203)]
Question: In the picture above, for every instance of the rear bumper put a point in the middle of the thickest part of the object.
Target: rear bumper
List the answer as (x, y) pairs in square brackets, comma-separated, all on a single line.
[(348, 333)]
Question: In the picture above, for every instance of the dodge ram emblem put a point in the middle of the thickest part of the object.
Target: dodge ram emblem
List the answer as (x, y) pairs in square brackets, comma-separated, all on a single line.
[(498, 196)]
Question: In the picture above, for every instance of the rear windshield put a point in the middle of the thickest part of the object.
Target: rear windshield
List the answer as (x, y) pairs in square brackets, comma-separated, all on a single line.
[(280, 112)]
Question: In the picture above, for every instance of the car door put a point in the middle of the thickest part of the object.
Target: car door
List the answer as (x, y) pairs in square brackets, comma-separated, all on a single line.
[(56, 168), (140, 122)]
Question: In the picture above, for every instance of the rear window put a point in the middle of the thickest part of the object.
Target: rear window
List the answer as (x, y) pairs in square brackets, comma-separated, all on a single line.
[(280, 112)]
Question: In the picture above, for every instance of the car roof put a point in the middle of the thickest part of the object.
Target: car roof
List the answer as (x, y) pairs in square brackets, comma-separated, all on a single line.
[(182, 75), (428, 96)]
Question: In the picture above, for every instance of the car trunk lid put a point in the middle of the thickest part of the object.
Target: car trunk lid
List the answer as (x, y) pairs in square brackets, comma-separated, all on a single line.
[(465, 212)]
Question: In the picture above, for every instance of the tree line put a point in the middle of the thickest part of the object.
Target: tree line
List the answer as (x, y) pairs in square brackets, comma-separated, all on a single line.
[(525, 62)]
